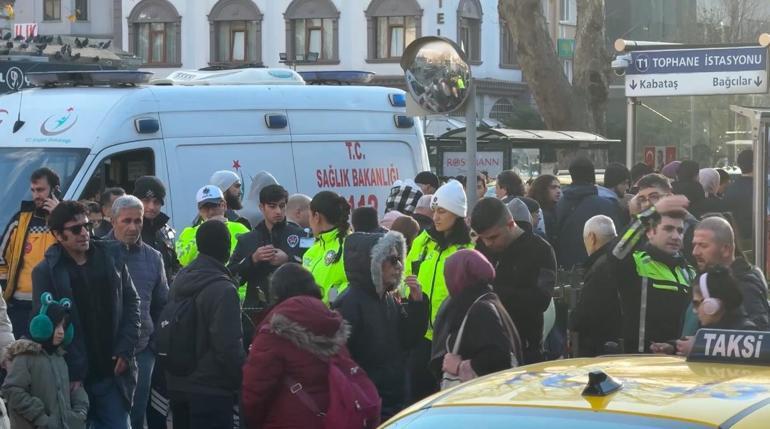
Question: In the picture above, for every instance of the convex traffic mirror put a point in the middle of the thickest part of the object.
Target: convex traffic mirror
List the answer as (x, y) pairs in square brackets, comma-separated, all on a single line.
[(437, 75)]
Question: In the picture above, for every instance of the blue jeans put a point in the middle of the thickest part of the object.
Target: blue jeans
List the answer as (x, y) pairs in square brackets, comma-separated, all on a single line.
[(145, 361), (107, 408)]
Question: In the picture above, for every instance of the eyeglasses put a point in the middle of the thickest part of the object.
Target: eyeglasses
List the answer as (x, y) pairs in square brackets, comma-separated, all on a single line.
[(652, 198), (77, 229), (393, 259)]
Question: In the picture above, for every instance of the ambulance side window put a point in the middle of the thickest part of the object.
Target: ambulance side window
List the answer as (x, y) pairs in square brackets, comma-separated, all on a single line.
[(120, 169)]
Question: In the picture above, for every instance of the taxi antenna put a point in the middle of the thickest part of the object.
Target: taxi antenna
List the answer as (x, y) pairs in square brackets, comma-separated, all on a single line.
[(19, 123)]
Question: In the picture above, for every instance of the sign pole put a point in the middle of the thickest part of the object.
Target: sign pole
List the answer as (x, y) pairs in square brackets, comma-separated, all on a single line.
[(470, 145), (630, 130), (760, 187)]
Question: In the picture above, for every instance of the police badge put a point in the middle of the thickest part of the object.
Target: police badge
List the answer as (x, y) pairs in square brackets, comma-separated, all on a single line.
[(292, 240), (330, 257)]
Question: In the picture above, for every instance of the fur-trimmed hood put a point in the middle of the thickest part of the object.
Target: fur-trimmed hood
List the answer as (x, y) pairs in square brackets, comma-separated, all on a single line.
[(24, 347), (310, 325), (364, 255)]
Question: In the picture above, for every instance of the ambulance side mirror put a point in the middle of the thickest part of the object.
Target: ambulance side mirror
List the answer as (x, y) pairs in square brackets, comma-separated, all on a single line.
[(437, 74)]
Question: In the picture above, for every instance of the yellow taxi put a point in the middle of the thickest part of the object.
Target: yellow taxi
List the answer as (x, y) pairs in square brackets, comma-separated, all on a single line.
[(724, 383)]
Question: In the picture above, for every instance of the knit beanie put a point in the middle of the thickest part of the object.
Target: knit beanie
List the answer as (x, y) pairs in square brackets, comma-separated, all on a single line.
[(669, 170), (520, 214), (213, 239), (224, 179), (149, 187), (403, 197), (467, 268), (451, 197), (389, 218)]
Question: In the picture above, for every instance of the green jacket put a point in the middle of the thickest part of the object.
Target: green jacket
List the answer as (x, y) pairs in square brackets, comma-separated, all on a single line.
[(319, 259), (430, 257), (37, 389), (187, 248)]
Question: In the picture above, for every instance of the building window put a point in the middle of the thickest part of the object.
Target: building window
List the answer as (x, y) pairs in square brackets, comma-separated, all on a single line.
[(501, 110), (236, 32), (312, 26), (394, 33), (469, 29), (508, 56), (51, 10), (81, 10), (565, 10), (392, 25), (155, 33), (313, 35)]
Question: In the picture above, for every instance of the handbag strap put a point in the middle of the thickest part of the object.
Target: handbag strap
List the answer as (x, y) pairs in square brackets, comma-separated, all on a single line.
[(458, 340)]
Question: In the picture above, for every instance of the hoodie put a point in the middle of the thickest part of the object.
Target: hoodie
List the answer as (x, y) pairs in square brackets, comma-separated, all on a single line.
[(219, 350), (383, 329), (250, 209), (579, 203), (296, 339)]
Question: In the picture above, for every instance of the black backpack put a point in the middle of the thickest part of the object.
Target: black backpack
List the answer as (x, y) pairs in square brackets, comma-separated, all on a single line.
[(175, 336)]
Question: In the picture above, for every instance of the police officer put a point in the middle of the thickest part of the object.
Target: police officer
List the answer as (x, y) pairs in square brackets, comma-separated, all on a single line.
[(654, 281), (155, 230)]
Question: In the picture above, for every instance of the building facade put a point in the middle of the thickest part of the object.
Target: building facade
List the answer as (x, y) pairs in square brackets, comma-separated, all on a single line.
[(95, 19)]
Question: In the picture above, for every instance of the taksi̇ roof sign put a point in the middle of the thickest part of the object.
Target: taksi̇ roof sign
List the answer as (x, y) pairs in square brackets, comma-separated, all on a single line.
[(714, 71)]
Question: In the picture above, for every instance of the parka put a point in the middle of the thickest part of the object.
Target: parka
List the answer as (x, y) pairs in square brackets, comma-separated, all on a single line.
[(383, 329), (292, 342), (37, 389)]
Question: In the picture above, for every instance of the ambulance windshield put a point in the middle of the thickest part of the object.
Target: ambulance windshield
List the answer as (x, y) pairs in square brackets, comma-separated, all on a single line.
[(17, 165)]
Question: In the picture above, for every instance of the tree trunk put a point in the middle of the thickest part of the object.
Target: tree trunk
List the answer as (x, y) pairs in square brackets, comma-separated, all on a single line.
[(563, 106)]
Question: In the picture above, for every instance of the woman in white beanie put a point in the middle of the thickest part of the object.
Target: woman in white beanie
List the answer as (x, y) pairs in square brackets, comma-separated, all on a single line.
[(425, 266)]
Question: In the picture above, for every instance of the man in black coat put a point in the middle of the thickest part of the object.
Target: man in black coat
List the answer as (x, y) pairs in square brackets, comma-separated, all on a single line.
[(580, 201), (259, 253), (526, 271), (714, 245), (205, 398), (156, 232), (597, 317), (384, 326), (105, 313)]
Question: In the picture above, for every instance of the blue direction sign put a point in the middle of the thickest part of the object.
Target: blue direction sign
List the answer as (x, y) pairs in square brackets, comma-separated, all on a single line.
[(697, 72)]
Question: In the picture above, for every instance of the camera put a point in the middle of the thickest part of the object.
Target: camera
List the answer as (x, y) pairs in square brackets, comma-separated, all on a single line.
[(620, 64)]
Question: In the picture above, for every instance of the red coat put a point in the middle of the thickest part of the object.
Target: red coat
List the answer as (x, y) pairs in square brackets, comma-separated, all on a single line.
[(288, 344)]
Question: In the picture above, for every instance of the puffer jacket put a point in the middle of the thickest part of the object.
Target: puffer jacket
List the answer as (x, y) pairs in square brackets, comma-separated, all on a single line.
[(37, 389), (383, 329), (145, 265), (290, 344)]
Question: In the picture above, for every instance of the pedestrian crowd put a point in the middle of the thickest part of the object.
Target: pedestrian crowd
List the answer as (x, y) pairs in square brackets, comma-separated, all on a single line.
[(314, 315)]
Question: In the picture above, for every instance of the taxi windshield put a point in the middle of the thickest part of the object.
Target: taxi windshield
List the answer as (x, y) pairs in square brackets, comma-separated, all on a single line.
[(17, 165), (531, 418)]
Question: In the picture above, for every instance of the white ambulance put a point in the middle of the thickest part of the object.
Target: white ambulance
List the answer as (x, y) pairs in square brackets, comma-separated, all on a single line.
[(101, 129)]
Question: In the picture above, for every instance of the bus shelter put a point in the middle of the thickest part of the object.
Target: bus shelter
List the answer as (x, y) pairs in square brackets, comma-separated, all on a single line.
[(759, 120), (528, 152)]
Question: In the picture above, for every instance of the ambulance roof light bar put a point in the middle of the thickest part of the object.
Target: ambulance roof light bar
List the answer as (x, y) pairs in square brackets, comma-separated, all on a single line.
[(89, 78), (241, 76)]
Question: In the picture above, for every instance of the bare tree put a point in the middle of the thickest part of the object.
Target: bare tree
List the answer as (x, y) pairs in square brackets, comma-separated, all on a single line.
[(582, 104)]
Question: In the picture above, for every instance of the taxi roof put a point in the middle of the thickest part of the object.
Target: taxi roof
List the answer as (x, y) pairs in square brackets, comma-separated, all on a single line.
[(658, 386)]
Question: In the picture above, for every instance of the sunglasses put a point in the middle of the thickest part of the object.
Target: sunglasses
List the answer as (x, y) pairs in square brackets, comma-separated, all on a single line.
[(394, 260), (77, 229)]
